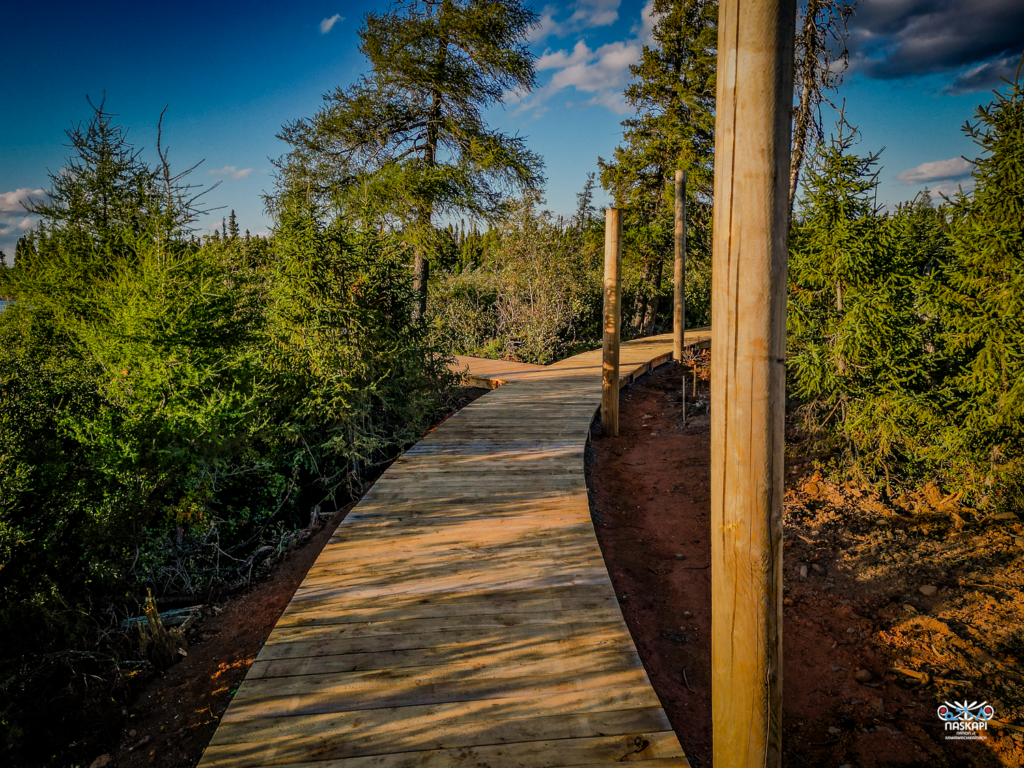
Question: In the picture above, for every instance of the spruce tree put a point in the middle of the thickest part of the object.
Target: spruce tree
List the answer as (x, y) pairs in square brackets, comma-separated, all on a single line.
[(980, 294), (408, 142), (673, 92)]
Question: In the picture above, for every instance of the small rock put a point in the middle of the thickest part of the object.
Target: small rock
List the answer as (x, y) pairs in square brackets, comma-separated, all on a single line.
[(863, 676), (928, 590), (787, 601), (101, 762), (803, 571), (834, 731), (680, 557), (851, 630), (687, 614), (836, 668), (856, 702), (877, 704), (132, 733), (817, 568), (909, 608)]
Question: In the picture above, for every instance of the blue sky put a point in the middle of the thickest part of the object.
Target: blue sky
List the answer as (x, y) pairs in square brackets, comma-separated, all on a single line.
[(233, 72)]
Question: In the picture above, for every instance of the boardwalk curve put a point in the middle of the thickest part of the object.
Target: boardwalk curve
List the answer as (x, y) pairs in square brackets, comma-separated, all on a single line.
[(462, 614)]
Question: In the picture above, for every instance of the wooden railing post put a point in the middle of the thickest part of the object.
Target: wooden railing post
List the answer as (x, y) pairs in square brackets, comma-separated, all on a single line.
[(612, 317), (679, 273), (748, 326)]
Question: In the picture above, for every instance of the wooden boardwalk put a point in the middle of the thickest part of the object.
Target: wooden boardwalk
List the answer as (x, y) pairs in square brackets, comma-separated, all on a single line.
[(462, 614)]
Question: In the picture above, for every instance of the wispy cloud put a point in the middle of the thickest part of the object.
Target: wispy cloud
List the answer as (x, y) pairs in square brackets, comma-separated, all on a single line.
[(601, 73), (562, 21), (938, 170), (230, 172), (327, 24), (11, 202)]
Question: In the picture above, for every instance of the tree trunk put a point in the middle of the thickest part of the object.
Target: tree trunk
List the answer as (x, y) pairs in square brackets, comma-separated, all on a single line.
[(652, 303), (807, 73), (420, 280)]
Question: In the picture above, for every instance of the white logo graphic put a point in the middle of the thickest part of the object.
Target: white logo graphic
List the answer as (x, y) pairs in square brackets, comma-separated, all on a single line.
[(966, 721)]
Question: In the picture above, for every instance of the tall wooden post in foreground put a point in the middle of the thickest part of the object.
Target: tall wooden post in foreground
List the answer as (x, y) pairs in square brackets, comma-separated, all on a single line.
[(679, 275), (612, 318), (748, 322)]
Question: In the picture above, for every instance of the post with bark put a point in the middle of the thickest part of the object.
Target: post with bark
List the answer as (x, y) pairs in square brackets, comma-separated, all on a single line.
[(679, 278), (612, 322), (751, 221), (679, 275)]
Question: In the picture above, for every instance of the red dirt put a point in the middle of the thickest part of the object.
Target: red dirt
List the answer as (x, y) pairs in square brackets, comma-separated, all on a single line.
[(650, 500)]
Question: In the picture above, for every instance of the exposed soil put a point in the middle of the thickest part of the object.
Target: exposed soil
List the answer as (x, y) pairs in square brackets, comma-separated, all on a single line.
[(855, 563), (176, 712)]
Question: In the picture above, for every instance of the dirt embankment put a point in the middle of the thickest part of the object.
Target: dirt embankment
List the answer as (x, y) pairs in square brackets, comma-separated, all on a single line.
[(857, 570)]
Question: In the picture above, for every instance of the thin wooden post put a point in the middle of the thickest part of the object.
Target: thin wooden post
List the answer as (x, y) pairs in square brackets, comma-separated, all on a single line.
[(679, 275), (612, 322), (748, 322), (679, 279)]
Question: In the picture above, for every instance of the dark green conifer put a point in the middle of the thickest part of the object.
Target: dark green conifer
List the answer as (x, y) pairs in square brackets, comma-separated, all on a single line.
[(409, 142)]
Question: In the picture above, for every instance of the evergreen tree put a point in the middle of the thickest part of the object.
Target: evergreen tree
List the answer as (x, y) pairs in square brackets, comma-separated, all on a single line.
[(232, 225), (408, 142), (862, 353), (980, 293), (673, 92)]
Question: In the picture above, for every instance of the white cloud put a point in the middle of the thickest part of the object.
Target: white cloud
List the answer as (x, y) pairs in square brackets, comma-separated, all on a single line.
[(11, 202), (603, 73), (954, 168), (583, 14), (646, 30), (327, 24), (562, 59), (229, 171)]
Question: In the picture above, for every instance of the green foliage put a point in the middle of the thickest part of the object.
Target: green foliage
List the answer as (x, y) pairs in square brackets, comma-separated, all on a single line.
[(673, 91), (905, 331), (979, 295), (408, 142), (860, 345), (537, 296), (170, 409)]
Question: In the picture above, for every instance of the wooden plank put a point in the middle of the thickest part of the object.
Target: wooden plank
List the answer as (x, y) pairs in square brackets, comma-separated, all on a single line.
[(462, 612), (657, 750), (362, 738)]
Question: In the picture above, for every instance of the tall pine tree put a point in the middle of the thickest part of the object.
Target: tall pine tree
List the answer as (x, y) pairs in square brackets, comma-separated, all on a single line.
[(408, 143), (673, 91)]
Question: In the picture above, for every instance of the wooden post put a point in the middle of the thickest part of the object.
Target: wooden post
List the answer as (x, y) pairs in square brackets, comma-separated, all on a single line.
[(748, 322), (679, 275), (612, 322)]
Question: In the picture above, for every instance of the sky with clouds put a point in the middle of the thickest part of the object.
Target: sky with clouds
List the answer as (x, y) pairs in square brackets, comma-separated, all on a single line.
[(233, 72)]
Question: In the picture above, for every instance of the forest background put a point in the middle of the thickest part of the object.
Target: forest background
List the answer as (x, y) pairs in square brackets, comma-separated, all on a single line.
[(173, 409)]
